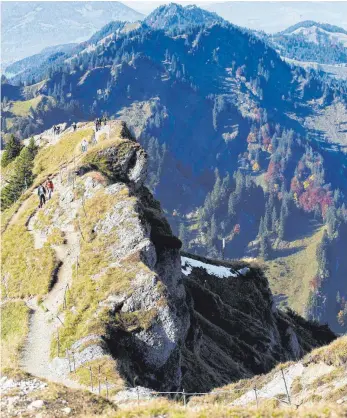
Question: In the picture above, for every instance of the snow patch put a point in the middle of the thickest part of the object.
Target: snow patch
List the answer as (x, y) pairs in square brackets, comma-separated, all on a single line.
[(219, 271)]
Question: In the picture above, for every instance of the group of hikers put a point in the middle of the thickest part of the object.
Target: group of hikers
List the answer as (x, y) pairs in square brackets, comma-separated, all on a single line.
[(45, 189), (56, 130), (98, 122)]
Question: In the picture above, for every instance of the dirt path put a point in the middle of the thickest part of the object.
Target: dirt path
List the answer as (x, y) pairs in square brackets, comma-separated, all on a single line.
[(46, 319)]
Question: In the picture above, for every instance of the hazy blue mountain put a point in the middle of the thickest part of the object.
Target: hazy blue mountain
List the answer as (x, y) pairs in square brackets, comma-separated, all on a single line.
[(28, 27), (176, 17), (312, 41), (242, 145), (308, 24), (45, 58), (275, 16)]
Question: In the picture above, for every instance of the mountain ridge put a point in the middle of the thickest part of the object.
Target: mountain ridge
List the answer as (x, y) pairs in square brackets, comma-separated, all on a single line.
[(136, 306)]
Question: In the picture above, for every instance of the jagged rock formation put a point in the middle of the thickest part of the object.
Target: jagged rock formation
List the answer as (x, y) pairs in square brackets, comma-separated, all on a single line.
[(135, 307), (236, 330)]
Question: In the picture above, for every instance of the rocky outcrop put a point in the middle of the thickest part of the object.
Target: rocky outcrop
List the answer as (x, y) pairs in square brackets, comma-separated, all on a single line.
[(236, 330)]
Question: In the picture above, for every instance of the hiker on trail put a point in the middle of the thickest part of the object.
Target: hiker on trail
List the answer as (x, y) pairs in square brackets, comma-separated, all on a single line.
[(58, 129), (41, 191), (105, 120), (84, 145), (54, 129), (74, 126), (49, 187), (96, 124)]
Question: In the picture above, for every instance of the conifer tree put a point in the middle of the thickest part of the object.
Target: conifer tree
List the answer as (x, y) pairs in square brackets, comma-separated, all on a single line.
[(322, 256), (22, 176), (274, 219), (183, 235), (265, 247), (12, 150)]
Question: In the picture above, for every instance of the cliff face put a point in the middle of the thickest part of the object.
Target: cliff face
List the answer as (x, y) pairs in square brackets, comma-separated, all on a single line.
[(134, 307), (236, 330)]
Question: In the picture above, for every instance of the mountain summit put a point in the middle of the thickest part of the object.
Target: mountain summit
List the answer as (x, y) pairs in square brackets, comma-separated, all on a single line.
[(311, 24), (175, 16), (312, 41)]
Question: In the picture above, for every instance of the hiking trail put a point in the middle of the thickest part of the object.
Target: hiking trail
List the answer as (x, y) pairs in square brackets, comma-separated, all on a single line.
[(46, 318)]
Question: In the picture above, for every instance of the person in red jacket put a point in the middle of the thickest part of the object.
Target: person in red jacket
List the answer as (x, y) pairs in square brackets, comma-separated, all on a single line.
[(50, 187)]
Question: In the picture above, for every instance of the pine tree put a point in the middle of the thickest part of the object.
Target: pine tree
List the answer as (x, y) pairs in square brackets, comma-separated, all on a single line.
[(213, 231), (331, 220), (12, 150), (265, 247), (183, 235), (22, 176), (274, 219), (232, 204), (32, 148), (267, 217), (322, 256), (262, 229)]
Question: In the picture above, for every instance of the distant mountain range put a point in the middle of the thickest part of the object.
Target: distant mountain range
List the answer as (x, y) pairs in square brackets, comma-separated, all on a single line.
[(28, 27), (310, 41)]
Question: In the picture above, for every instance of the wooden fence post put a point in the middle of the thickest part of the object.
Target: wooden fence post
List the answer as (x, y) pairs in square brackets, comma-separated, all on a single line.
[(68, 359), (91, 378), (99, 379), (74, 363), (58, 342), (285, 385), (256, 395)]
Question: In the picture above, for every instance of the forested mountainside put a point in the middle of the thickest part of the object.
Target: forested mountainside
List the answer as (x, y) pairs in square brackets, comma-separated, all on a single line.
[(242, 146), (43, 59), (107, 288), (312, 41)]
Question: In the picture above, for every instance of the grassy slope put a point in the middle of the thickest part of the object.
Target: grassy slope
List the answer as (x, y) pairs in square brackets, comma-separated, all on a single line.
[(50, 158), (167, 409), (334, 354), (14, 328), (21, 108), (26, 271), (290, 274)]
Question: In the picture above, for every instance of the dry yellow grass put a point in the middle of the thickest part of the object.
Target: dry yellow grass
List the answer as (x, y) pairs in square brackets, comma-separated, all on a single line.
[(21, 108), (14, 329), (26, 271), (164, 408), (50, 158), (334, 354), (291, 275)]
